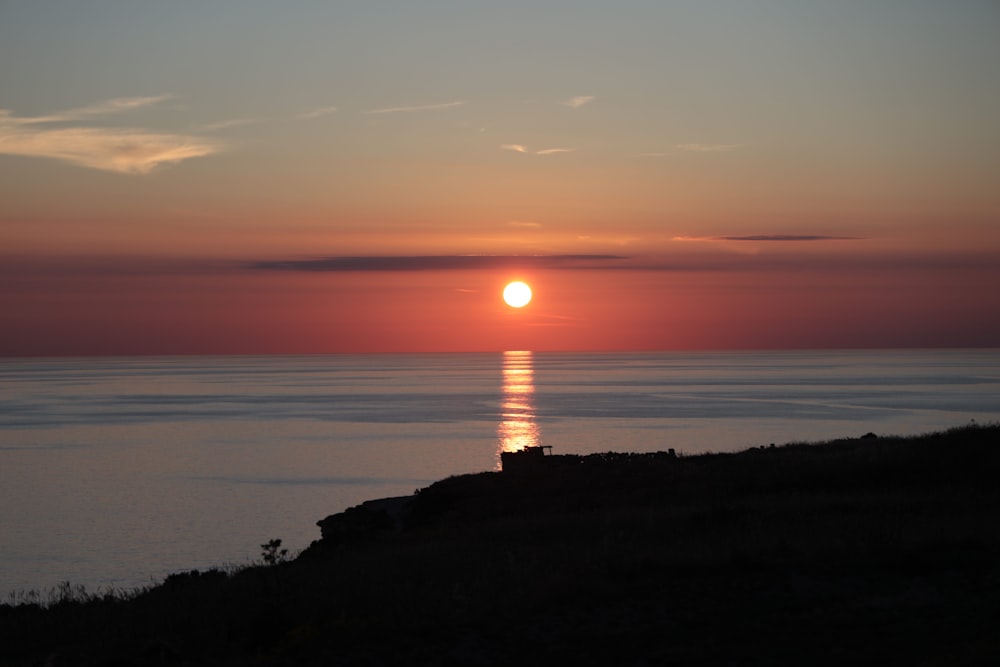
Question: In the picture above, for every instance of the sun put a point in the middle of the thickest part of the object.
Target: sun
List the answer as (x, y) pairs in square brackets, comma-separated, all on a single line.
[(517, 294)]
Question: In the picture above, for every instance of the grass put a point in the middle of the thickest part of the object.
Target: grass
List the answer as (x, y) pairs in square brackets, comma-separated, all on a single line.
[(850, 552)]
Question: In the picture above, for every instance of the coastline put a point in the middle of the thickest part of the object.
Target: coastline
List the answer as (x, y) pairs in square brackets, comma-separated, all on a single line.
[(384, 425), (853, 551)]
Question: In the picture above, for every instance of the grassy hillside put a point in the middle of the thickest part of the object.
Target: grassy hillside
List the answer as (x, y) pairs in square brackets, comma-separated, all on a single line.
[(868, 551)]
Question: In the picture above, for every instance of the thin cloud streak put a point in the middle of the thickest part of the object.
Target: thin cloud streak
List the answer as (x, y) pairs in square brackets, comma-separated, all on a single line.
[(519, 148), (414, 109), (769, 237), (113, 106), (117, 149), (708, 148), (225, 124), (120, 104), (437, 262), (790, 237), (317, 113), (578, 101), (700, 262), (728, 262)]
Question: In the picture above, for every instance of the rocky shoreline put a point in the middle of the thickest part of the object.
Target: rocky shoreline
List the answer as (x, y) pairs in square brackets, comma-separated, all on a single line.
[(859, 551)]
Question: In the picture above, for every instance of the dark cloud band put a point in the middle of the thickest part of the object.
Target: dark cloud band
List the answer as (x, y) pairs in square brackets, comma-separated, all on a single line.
[(788, 237), (438, 262)]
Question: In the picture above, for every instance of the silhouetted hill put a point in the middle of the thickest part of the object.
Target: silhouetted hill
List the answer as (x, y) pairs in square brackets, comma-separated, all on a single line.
[(862, 551)]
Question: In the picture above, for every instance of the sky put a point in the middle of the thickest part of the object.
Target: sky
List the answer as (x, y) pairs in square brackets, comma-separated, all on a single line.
[(244, 177)]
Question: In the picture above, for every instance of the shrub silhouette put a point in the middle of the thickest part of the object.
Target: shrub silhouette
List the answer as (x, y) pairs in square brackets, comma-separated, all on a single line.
[(272, 553)]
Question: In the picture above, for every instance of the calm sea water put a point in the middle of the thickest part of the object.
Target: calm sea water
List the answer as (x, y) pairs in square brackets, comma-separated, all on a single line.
[(117, 471)]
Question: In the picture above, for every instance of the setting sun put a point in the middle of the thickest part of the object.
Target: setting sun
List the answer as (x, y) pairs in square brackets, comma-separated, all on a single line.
[(517, 294)]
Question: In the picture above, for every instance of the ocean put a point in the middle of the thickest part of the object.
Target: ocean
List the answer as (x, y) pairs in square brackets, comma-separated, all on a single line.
[(116, 472)]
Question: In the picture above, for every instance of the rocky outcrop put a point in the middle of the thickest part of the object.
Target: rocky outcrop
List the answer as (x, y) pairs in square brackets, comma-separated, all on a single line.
[(365, 521)]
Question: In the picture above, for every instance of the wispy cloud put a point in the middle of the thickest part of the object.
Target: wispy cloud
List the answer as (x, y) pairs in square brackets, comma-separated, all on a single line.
[(578, 101), (518, 148), (524, 224), (708, 148), (317, 113), (116, 105), (417, 108), (789, 237), (65, 136), (769, 237), (119, 104), (123, 151), (224, 124)]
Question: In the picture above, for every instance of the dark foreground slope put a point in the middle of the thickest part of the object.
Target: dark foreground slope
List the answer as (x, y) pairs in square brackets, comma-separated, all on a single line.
[(871, 551)]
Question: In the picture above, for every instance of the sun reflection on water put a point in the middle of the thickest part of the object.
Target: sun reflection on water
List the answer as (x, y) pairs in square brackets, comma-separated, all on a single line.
[(517, 428)]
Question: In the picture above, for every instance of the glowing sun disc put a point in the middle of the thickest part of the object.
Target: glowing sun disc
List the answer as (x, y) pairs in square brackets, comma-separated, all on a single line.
[(517, 294)]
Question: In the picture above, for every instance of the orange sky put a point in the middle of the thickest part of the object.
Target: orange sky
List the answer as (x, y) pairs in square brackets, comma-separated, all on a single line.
[(740, 175), (243, 311)]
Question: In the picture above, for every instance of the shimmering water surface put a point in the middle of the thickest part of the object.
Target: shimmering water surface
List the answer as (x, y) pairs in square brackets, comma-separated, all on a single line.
[(117, 471)]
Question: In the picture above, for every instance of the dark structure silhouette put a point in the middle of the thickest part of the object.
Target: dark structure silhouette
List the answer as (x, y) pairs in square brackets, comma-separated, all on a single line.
[(525, 460)]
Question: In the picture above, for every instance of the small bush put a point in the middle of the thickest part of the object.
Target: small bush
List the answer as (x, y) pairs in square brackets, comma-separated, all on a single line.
[(272, 553)]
